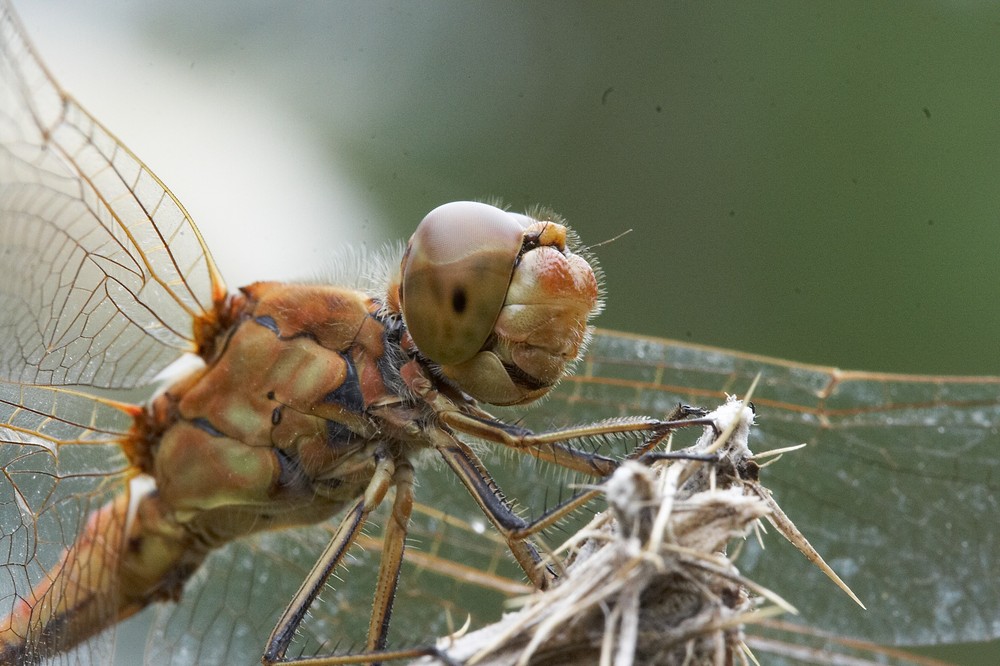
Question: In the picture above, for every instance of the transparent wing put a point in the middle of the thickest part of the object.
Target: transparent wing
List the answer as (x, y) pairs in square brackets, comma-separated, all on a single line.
[(103, 271), (102, 276), (59, 461), (778, 642), (896, 488)]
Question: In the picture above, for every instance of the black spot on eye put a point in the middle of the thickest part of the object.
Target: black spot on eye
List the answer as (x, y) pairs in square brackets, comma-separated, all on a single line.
[(458, 300)]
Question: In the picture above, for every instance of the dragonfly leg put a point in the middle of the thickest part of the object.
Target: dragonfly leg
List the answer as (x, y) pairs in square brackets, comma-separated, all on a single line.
[(392, 556), (389, 473), (553, 446), (515, 530), (350, 526), (491, 500)]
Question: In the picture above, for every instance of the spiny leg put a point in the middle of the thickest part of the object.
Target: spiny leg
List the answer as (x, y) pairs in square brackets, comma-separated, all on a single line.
[(387, 474), (546, 446), (394, 541), (552, 446), (473, 474), (471, 471), (333, 554)]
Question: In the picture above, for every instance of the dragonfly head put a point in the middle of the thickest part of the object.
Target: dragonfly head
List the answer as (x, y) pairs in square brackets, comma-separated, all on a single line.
[(498, 300)]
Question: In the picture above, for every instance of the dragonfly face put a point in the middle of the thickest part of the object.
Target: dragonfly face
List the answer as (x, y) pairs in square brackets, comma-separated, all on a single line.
[(496, 300), (882, 471)]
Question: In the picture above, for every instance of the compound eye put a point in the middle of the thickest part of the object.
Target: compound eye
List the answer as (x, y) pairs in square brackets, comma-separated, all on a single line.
[(455, 274)]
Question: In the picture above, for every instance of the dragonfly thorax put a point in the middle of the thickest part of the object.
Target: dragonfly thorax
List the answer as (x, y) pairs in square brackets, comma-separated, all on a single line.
[(279, 428)]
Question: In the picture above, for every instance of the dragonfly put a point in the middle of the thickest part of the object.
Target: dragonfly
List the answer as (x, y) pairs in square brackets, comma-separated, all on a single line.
[(898, 478)]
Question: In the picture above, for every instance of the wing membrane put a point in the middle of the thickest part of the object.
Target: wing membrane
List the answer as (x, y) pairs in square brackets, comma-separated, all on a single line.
[(103, 270), (899, 478), (59, 461)]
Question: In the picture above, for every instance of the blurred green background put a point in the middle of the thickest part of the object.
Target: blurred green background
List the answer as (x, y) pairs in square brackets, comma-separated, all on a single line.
[(814, 181)]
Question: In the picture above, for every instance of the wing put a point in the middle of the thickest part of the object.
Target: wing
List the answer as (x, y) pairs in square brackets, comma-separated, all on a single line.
[(102, 277), (103, 270), (895, 489), (60, 460)]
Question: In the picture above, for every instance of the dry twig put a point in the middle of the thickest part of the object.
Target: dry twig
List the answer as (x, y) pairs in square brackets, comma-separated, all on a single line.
[(649, 581)]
